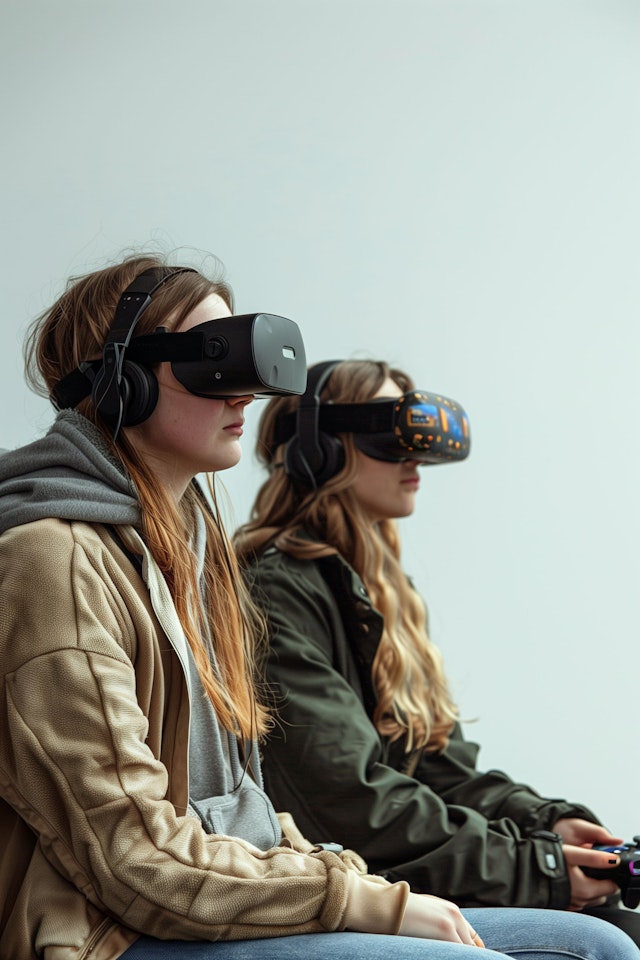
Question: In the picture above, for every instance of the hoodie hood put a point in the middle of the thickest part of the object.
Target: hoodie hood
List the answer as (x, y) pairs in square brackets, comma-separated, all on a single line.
[(69, 474)]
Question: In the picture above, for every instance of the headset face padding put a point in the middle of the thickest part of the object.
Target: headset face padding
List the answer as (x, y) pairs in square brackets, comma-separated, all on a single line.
[(311, 456)]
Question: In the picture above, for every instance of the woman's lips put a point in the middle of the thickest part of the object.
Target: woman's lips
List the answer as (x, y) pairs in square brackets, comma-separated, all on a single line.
[(235, 428)]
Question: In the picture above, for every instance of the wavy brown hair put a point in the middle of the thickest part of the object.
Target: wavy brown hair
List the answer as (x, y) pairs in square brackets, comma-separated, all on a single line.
[(74, 329), (413, 696)]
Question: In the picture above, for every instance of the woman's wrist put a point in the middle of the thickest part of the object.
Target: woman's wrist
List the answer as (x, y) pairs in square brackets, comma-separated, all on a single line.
[(374, 906)]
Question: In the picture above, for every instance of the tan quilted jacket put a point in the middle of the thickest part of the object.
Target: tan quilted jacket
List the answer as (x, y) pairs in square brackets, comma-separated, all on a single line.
[(95, 845)]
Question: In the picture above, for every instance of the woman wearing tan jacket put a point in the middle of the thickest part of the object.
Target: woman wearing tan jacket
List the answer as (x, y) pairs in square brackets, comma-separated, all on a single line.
[(132, 814)]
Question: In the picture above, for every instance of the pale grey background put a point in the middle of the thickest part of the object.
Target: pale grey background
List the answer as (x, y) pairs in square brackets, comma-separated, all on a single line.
[(450, 184)]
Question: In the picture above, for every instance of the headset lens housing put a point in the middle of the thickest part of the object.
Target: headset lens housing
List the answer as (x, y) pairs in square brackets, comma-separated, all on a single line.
[(426, 427)]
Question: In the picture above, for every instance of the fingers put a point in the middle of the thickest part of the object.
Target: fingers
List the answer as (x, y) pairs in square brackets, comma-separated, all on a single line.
[(577, 905), (586, 857), (577, 831), (465, 932), (436, 919), (453, 926), (587, 891)]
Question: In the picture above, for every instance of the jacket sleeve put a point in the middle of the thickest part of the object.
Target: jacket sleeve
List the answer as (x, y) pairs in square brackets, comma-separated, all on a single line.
[(454, 777), (76, 766), (449, 831)]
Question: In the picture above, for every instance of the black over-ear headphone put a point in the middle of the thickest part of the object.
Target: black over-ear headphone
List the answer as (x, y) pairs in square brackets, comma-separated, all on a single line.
[(311, 456), (125, 393)]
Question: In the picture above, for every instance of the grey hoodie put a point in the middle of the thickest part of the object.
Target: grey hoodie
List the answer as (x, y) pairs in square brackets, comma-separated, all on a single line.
[(71, 474)]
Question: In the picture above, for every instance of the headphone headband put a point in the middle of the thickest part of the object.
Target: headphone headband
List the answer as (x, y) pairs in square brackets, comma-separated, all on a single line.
[(308, 414), (135, 300), (312, 457), (123, 393)]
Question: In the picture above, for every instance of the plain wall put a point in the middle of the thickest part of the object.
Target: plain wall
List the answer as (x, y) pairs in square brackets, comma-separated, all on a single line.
[(449, 184)]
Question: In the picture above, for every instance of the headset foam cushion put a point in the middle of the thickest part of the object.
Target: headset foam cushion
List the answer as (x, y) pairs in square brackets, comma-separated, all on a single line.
[(297, 466), (136, 395)]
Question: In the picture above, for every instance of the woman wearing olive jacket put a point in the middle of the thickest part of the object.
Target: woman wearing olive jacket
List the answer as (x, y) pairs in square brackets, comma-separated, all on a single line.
[(368, 747)]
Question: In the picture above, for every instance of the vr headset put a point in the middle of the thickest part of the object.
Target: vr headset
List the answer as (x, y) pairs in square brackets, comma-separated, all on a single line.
[(256, 353), (419, 425)]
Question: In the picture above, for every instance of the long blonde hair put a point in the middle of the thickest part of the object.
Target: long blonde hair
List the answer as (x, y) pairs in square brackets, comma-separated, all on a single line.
[(74, 329), (413, 696)]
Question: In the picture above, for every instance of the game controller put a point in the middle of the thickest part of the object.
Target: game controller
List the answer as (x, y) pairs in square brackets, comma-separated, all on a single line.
[(626, 874)]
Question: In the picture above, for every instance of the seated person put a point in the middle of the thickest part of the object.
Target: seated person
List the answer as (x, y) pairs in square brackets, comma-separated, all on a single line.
[(133, 818), (368, 746)]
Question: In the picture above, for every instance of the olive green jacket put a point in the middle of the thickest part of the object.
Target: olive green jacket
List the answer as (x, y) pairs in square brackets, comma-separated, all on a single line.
[(448, 829)]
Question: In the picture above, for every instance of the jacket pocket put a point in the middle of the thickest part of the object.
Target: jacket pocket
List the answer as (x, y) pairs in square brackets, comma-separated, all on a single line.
[(246, 813)]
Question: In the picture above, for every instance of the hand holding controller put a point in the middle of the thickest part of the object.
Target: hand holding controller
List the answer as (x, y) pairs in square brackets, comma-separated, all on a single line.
[(626, 874)]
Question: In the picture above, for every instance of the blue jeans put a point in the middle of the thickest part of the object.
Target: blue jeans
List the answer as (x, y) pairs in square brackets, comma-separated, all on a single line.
[(507, 931)]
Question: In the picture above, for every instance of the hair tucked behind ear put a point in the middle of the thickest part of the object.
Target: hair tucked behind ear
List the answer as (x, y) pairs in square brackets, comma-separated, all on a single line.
[(413, 696), (74, 329)]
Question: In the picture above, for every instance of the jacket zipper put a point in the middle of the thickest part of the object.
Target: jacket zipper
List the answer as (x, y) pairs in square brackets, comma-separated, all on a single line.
[(95, 937)]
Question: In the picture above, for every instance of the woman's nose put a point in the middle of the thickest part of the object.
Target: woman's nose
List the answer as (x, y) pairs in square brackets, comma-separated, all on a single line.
[(241, 401)]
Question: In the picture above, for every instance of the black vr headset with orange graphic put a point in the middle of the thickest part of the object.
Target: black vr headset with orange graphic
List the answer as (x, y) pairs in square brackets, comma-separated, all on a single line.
[(420, 425)]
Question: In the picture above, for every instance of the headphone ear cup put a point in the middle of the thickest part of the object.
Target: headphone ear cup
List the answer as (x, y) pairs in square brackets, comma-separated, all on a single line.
[(135, 397), (298, 468), (140, 393)]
